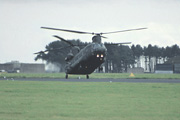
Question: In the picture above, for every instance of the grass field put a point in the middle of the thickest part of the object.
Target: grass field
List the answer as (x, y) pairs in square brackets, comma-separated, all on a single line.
[(28, 100), (94, 75)]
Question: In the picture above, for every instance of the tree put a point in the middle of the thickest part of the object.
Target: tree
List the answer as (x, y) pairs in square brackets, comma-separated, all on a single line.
[(126, 55), (173, 54), (168, 53), (148, 53), (137, 53), (163, 55), (175, 50), (123, 58), (57, 51), (156, 53), (109, 58), (119, 58)]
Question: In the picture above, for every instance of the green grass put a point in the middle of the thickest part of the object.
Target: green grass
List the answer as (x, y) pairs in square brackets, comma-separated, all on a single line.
[(28, 100), (93, 76)]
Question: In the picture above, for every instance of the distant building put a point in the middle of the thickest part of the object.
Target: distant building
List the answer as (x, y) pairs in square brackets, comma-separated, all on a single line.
[(167, 68), (176, 68), (32, 68), (164, 68), (15, 67), (135, 70)]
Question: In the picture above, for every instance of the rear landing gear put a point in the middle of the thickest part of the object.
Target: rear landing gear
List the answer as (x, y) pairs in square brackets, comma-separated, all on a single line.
[(87, 76)]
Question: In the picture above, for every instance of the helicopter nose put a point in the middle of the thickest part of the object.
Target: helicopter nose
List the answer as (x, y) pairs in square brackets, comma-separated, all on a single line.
[(100, 53), (100, 50)]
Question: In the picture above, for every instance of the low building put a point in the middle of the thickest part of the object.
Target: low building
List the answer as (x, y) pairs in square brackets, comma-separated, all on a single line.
[(135, 70), (176, 68), (164, 68), (15, 67), (32, 68)]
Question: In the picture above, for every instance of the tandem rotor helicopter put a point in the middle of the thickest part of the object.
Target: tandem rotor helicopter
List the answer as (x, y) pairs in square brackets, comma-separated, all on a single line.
[(90, 57)]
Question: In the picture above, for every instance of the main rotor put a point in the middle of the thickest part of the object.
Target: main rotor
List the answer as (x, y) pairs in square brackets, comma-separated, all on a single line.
[(97, 36)]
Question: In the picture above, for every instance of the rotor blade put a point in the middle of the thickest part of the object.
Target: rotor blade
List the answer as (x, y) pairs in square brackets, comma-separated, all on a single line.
[(39, 52), (117, 43), (73, 31), (104, 37), (52, 50), (123, 31), (62, 39)]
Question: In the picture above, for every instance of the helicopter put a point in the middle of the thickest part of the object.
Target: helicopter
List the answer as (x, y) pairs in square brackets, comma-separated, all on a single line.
[(90, 57)]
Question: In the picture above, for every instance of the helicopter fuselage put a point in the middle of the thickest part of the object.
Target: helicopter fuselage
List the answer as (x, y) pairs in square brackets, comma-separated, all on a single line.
[(87, 60)]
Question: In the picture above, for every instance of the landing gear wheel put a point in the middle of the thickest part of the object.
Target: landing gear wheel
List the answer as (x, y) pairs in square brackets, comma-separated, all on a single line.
[(87, 76), (66, 76)]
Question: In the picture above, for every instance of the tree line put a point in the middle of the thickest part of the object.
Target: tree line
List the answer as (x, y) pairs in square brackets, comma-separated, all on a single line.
[(119, 57)]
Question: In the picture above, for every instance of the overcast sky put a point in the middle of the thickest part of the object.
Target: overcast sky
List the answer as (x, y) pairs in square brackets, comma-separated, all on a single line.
[(20, 22)]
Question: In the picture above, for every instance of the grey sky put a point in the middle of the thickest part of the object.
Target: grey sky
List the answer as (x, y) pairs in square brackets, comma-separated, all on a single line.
[(20, 22)]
